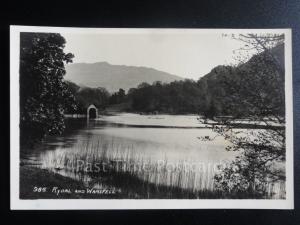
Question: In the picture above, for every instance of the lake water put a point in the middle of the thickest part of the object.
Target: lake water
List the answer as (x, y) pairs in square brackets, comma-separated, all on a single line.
[(155, 139)]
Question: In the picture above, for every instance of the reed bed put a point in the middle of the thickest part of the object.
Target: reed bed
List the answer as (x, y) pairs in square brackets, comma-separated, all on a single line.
[(113, 164)]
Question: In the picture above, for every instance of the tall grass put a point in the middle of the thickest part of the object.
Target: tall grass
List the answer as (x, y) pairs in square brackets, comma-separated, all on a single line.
[(138, 175)]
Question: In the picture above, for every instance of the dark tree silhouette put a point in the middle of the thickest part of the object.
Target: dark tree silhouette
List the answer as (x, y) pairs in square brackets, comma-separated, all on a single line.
[(117, 97), (257, 87), (43, 94)]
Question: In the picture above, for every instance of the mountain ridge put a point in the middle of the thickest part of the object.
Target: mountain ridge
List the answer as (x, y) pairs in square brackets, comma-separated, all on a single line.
[(114, 77)]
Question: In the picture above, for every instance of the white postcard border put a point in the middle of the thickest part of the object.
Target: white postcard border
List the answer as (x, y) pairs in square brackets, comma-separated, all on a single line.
[(62, 204)]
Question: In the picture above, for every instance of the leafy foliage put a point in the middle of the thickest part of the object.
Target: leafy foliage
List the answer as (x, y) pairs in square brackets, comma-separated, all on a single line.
[(117, 97), (245, 90), (44, 96), (255, 90), (237, 91), (85, 96), (175, 97)]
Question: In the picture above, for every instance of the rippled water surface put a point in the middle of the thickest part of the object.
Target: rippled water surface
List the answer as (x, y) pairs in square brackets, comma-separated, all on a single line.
[(154, 139)]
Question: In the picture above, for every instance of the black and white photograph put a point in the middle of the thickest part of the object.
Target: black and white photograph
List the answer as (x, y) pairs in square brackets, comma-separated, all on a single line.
[(123, 118)]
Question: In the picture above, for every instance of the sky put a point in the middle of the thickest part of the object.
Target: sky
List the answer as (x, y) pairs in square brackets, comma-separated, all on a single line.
[(186, 54)]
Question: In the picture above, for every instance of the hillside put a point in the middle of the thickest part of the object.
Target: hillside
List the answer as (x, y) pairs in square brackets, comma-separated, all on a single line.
[(113, 77), (246, 82)]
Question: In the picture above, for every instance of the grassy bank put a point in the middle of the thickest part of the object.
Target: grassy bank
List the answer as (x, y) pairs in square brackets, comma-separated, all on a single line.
[(127, 186), (33, 179), (134, 175)]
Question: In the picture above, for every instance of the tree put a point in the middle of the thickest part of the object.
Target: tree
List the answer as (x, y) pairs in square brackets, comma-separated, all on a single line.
[(87, 96), (44, 95), (177, 97), (257, 87), (118, 97)]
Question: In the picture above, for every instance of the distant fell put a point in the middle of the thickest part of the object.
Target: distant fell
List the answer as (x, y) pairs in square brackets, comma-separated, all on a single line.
[(113, 77)]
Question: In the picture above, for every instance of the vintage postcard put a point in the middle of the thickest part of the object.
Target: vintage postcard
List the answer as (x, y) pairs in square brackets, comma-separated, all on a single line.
[(151, 118)]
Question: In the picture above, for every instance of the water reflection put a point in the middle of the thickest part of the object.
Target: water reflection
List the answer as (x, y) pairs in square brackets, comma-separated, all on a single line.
[(158, 141)]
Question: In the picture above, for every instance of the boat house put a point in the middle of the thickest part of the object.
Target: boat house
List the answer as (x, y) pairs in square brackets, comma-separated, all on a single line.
[(92, 112)]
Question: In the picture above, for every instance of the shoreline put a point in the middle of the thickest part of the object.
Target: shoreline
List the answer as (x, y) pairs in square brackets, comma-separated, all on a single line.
[(37, 183), (34, 179)]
